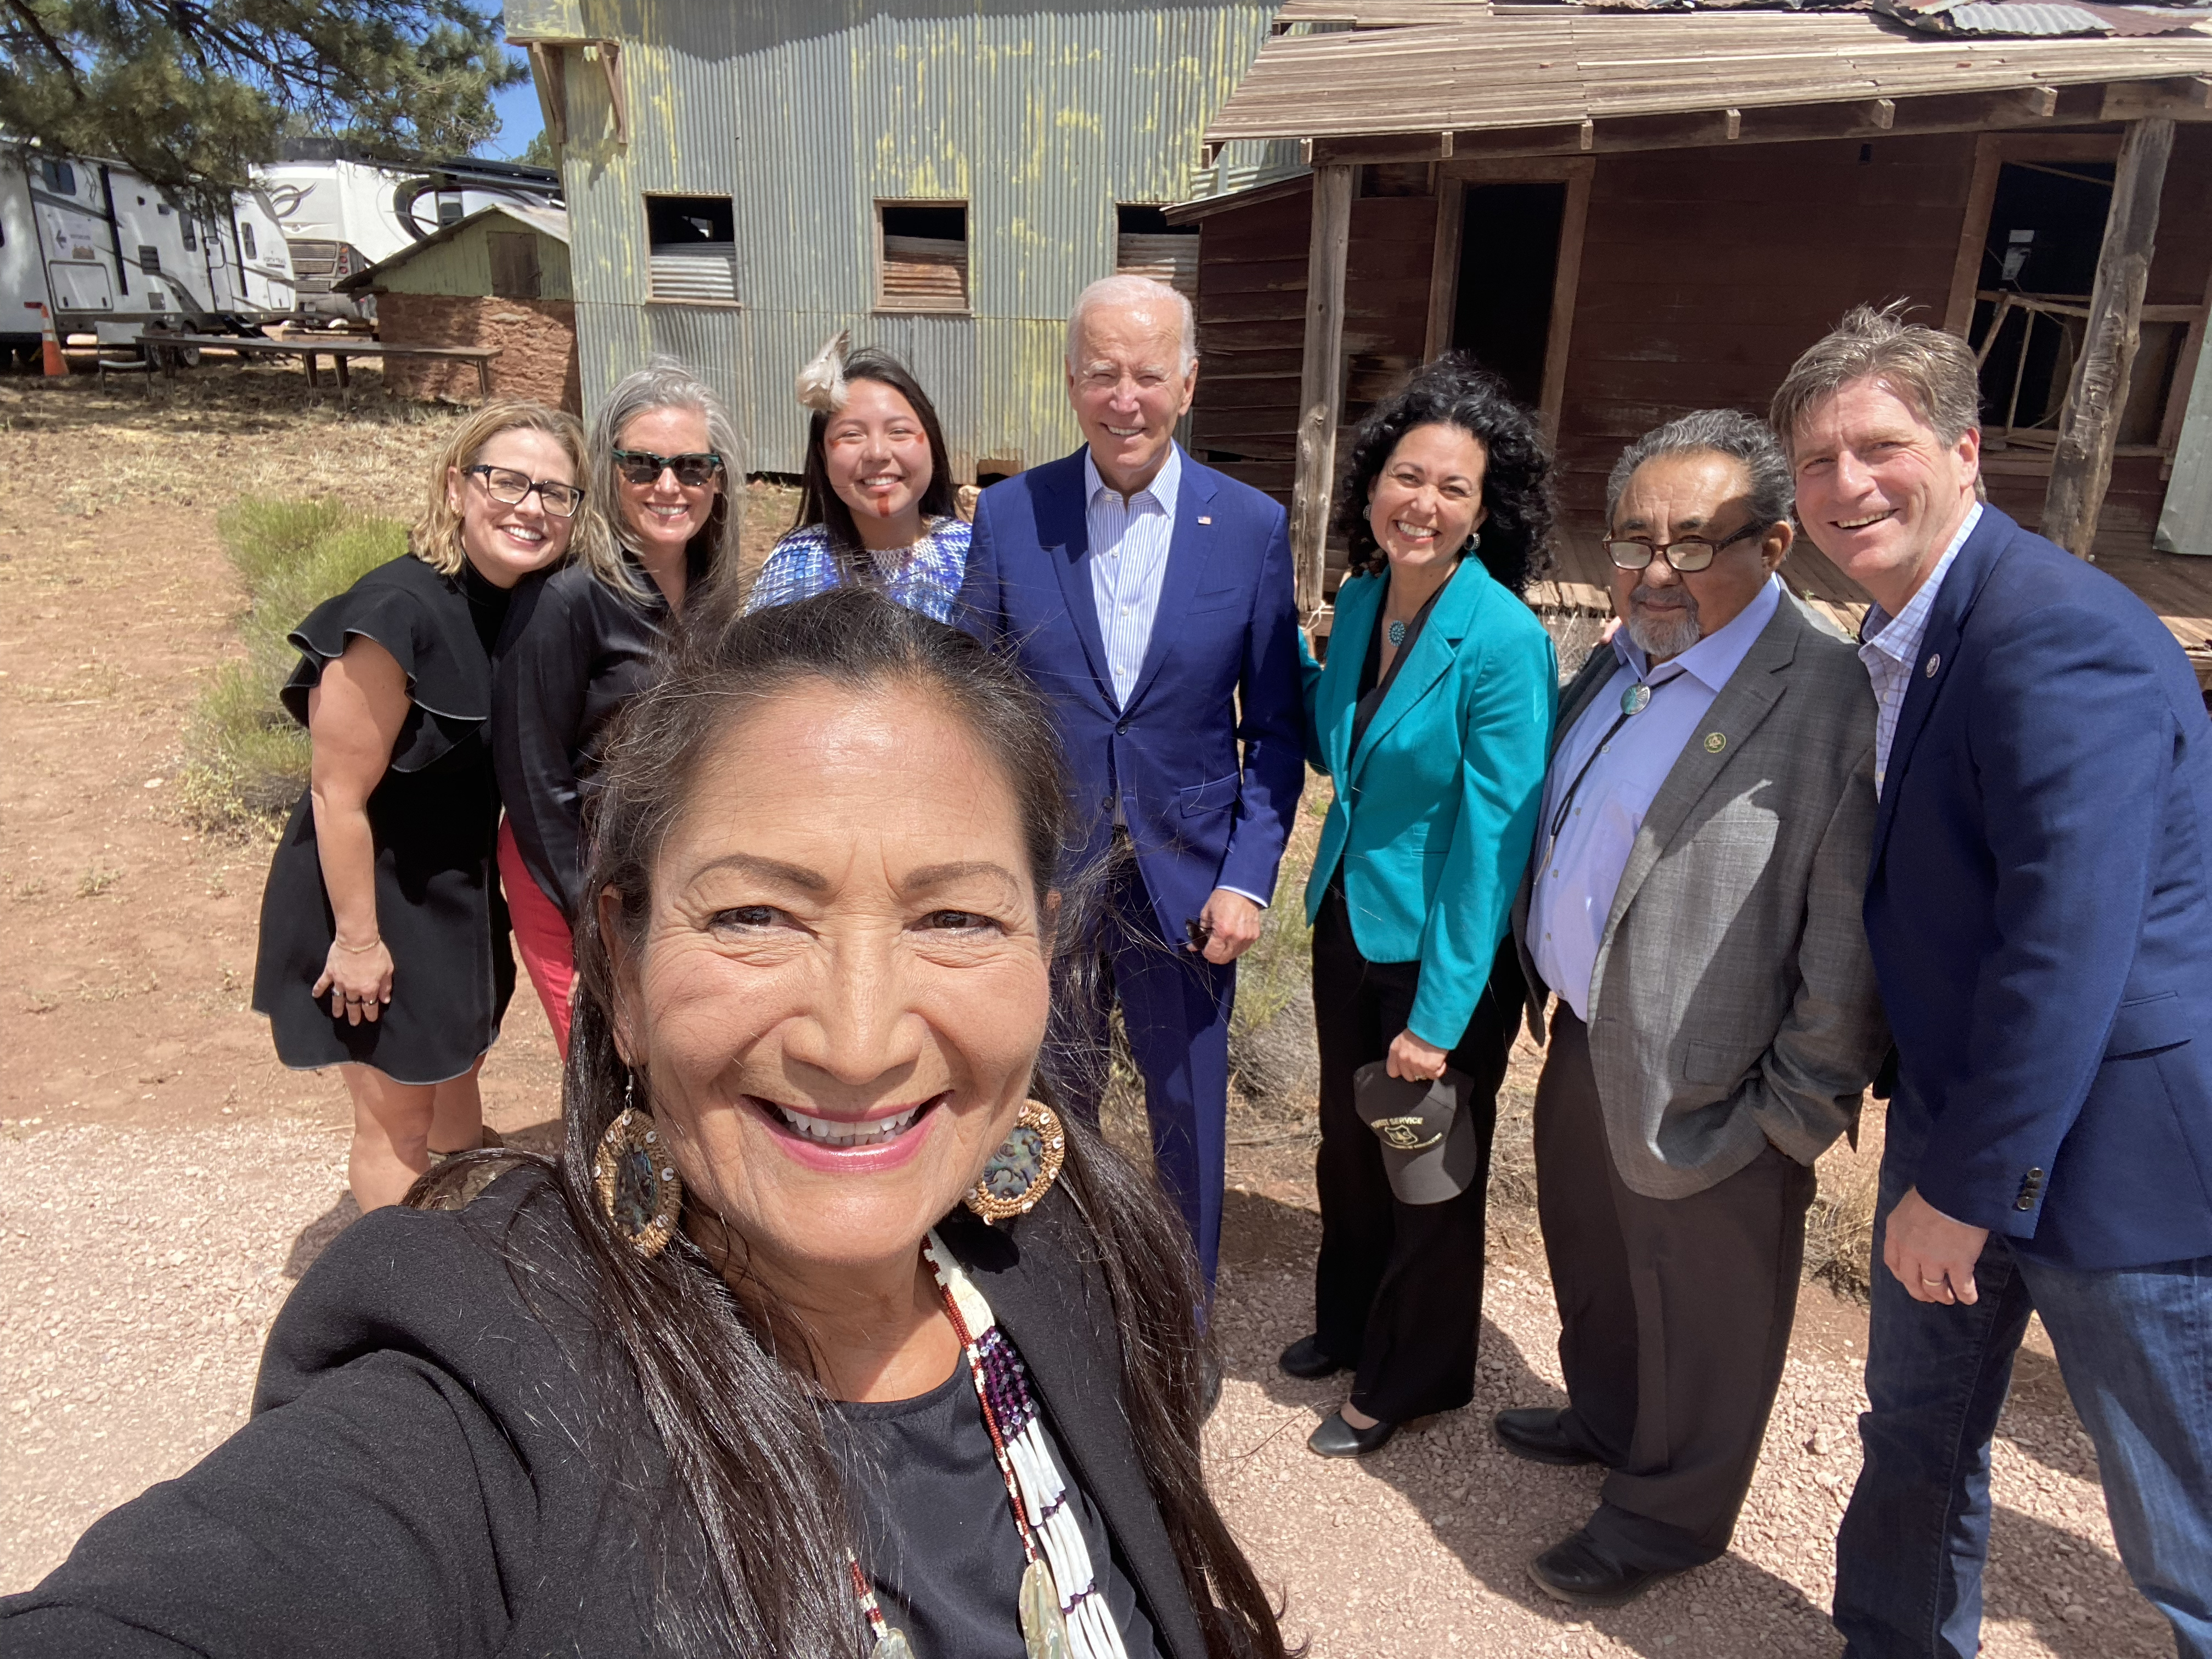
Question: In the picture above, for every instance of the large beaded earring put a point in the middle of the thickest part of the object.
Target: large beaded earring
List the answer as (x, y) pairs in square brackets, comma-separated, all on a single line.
[(1024, 1168), (637, 1182)]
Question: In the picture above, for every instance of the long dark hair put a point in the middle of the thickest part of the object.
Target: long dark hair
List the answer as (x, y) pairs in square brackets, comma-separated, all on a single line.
[(818, 503), (727, 1382), (1455, 391)]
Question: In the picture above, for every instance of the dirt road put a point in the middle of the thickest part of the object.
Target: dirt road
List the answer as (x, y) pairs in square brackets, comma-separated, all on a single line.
[(163, 1180)]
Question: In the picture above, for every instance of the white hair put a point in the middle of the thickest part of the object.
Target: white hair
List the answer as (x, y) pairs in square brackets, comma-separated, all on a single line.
[(1134, 293)]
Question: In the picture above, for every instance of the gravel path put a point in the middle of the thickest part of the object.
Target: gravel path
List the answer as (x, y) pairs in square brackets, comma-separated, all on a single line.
[(145, 1267)]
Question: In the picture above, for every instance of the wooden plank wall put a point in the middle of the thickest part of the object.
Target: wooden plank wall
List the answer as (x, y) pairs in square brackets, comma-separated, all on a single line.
[(1705, 272)]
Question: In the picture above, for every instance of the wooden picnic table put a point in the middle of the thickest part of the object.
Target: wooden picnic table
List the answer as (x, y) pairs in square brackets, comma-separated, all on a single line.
[(166, 347)]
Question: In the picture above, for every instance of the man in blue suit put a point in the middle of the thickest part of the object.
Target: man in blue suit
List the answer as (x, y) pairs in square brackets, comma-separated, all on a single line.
[(1150, 599), (2040, 905)]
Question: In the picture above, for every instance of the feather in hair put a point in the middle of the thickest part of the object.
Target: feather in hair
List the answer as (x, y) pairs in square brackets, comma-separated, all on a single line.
[(821, 384)]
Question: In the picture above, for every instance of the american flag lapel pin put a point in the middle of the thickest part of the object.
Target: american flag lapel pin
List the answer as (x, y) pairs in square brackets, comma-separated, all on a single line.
[(1205, 518)]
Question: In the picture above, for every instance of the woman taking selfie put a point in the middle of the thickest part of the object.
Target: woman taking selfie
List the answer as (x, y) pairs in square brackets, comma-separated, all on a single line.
[(583, 639), (383, 941), (876, 506), (1434, 718), (733, 1376)]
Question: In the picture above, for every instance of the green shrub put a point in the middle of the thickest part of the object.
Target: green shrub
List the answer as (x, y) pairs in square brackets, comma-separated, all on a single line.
[(247, 761)]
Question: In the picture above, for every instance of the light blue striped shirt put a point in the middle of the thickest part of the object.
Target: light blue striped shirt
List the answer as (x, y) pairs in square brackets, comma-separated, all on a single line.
[(1128, 561), (1889, 645)]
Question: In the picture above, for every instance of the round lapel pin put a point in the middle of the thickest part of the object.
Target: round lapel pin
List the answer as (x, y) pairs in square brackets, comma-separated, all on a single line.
[(1935, 662), (1715, 741)]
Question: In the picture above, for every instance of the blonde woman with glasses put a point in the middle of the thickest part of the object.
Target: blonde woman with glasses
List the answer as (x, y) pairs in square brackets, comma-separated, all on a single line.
[(584, 638), (383, 941)]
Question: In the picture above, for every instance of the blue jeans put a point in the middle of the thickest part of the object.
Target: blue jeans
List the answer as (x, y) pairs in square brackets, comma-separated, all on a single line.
[(2135, 1346)]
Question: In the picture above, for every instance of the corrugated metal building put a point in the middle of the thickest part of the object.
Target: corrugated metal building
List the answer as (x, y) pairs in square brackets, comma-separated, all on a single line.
[(744, 180)]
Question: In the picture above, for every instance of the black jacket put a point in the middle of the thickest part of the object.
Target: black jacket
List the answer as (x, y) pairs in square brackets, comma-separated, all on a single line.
[(433, 1468)]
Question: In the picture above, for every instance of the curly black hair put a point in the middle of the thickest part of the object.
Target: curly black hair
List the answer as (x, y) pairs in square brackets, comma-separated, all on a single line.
[(1455, 391)]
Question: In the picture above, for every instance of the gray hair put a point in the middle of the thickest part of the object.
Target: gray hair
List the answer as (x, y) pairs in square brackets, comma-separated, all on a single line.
[(1933, 372), (1729, 431), (664, 383), (1134, 292)]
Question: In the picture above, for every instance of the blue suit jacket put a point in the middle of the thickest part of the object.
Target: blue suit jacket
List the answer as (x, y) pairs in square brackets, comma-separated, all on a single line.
[(2040, 909), (1221, 668), (1435, 814)]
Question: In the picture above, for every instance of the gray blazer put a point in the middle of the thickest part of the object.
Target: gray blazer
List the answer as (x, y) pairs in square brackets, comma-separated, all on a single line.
[(1733, 997)]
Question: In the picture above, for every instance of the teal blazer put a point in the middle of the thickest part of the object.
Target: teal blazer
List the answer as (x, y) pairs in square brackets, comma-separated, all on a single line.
[(1434, 817)]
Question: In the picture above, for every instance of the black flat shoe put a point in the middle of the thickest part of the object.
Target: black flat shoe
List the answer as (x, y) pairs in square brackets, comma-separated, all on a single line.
[(1337, 1439), (1534, 1432), (1576, 1571), (1307, 1358)]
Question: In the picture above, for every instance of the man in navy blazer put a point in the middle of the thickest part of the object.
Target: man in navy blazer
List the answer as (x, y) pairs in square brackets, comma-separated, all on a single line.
[(1150, 599), (2040, 905)]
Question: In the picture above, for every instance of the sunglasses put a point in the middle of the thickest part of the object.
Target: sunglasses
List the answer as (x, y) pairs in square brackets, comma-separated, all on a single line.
[(506, 485), (642, 466)]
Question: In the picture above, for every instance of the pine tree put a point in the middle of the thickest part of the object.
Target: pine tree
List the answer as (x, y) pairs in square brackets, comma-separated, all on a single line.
[(191, 93)]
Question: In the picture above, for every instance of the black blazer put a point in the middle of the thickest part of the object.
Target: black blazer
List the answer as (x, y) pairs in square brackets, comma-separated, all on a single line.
[(429, 1470)]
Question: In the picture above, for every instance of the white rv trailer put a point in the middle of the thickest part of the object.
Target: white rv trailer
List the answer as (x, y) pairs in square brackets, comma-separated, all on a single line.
[(342, 214), (108, 255)]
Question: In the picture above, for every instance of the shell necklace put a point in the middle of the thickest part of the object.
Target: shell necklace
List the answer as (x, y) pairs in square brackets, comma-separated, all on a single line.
[(1063, 1615)]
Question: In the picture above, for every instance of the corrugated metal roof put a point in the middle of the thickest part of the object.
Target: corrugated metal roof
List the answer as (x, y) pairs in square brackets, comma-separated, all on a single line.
[(1514, 69)]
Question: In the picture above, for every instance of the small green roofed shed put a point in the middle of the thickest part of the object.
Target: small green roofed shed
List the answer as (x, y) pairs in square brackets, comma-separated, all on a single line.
[(498, 279)]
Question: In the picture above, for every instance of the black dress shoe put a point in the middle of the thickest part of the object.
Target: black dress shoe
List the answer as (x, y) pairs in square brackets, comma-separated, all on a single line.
[(1337, 1439), (1534, 1432), (1307, 1358), (1577, 1571)]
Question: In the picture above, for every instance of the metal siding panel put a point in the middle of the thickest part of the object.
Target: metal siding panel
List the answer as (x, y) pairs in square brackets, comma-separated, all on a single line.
[(808, 112), (2185, 523)]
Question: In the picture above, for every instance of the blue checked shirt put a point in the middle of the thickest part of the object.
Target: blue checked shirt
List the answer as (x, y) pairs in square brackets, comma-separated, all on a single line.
[(1889, 645), (924, 577), (1128, 561)]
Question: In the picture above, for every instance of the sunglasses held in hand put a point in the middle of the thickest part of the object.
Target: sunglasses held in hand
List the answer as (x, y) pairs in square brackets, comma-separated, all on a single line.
[(642, 466)]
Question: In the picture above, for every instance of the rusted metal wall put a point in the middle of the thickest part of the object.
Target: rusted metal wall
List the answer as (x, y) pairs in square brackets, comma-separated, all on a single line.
[(808, 112)]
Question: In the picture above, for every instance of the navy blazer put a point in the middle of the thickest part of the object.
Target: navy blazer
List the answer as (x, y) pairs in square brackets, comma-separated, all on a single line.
[(2040, 909), (1221, 668)]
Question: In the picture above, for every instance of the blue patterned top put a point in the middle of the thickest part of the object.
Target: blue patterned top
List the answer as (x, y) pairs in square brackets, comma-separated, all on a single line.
[(924, 577)]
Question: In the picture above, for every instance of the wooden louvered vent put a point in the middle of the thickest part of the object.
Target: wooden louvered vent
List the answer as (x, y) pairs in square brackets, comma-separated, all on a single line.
[(1171, 259), (693, 248), (925, 257)]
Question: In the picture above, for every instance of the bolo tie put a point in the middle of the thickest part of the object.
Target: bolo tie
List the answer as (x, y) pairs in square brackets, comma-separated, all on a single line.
[(1634, 700)]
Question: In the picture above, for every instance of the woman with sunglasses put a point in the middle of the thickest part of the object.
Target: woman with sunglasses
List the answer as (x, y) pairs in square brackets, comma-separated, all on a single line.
[(383, 941), (877, 503), (583, 639)]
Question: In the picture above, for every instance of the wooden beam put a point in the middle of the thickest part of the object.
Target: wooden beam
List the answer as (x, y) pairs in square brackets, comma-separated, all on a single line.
[(1734, 119), (1973, 235), (1565, 283), (2090, 424), (1321, 382), (1885, 113), (2187, 98), (1443, 265), (545, 69)]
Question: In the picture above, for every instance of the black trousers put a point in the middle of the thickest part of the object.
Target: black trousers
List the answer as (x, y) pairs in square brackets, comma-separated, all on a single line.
[(1675, 1317), (1398, 1288)]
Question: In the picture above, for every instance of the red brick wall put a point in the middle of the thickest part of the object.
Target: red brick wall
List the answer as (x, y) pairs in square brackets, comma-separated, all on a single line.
[(536, 342)]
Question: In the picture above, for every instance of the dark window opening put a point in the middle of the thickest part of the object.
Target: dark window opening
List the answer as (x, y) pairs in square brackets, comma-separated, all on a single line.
[(1147, 244), (1509, 260), (246, 239), (190, 227), (925, 256), (694, 243), (61, 177), (150, 261), (2038, 266)]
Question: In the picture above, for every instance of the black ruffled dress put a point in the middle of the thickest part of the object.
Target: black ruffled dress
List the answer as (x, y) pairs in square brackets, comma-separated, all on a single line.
[(432, 819)]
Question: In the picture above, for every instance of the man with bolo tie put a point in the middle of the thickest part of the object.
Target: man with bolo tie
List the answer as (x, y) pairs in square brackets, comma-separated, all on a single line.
[(1694, 901), (1150, 599), (2040, 904)]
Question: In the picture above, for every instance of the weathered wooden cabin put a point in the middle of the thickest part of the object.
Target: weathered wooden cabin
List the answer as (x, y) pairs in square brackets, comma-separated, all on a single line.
[(1630, 215), (744, 180)]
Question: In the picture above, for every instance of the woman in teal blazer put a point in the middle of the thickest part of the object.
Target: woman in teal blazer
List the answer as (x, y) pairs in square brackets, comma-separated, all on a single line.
[(1434, 718)]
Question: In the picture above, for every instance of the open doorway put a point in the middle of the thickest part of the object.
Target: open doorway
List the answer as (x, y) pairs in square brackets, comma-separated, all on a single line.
[(2039, 268), (1509, 267)]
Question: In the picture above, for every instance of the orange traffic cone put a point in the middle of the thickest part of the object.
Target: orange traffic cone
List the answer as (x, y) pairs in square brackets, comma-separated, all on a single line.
[(54, 364)]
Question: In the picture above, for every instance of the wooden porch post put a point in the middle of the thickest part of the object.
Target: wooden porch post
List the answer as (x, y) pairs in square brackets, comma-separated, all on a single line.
[(1321, 381), (2089, 425)]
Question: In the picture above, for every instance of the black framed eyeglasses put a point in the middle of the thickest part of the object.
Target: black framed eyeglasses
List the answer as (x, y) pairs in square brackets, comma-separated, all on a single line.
[(504, 483), (692, 471), (1691, 553)]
